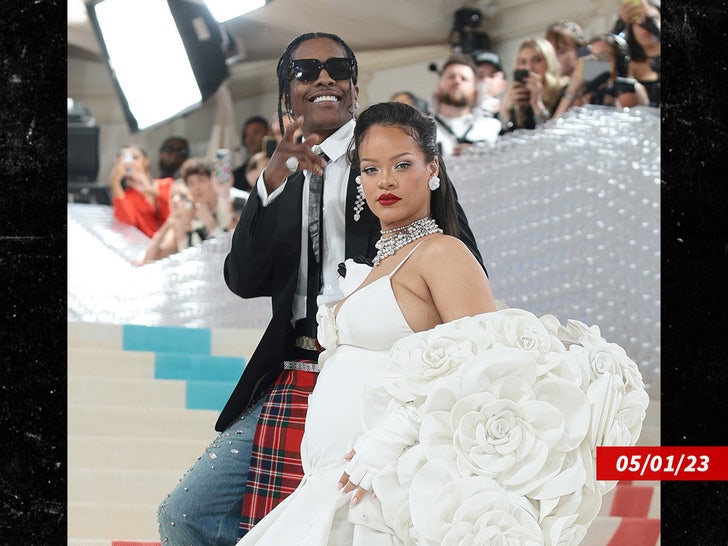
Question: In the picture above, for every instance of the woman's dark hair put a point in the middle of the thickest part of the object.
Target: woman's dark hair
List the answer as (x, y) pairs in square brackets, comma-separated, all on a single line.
[(284, 70), (423, 130), (620, 51)]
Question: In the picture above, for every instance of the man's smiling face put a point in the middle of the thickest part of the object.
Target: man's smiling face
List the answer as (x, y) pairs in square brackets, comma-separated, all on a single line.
[(325, 103)]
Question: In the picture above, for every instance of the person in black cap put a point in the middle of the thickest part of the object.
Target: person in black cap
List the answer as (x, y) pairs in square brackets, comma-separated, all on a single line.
[(490, 80)]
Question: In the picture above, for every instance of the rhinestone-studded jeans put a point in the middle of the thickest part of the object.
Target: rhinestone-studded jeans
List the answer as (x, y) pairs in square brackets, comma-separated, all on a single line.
[(204, 507)]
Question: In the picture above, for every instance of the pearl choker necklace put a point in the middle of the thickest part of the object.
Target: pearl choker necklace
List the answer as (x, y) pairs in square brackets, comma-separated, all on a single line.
[(401, 236)]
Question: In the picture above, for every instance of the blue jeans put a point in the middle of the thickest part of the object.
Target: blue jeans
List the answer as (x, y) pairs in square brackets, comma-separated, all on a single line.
[(204, 508)]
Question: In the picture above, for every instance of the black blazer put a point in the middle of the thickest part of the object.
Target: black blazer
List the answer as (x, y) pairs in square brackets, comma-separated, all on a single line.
[(264, 261)]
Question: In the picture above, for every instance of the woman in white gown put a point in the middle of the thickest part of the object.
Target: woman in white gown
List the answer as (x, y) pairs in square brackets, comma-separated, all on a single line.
[(373, 412)]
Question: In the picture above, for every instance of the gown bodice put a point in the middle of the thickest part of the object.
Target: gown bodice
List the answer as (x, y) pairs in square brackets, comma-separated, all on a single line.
[(384, 323)]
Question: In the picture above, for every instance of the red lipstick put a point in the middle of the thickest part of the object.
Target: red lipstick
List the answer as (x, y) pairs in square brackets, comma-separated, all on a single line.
[(387, 199)]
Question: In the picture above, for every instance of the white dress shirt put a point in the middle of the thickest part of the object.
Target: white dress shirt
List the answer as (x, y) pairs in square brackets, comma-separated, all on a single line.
[(336, 177), (476, 126)]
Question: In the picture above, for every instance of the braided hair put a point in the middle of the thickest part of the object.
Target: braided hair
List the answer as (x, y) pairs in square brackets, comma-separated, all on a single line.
[(422, 129), (283, 69)]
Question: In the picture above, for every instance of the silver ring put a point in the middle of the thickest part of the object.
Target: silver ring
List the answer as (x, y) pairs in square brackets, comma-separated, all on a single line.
[(292, 164)]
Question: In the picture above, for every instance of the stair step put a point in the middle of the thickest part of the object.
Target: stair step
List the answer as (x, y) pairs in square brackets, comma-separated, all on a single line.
[(616, 531), (94, 335), (140, 422), (124, 522), (120, 486), (235, 341), (163, 339), (114, 391), (198, 367), (639, 500), (118, 453), (223, 341), (110, 362)]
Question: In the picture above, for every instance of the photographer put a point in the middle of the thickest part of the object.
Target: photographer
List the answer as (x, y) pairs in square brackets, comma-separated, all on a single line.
[(536, 88), (138, 199), (604, 77), (639, 23)]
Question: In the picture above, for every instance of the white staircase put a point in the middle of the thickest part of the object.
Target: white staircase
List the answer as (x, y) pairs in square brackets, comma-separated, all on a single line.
[(130, 439)]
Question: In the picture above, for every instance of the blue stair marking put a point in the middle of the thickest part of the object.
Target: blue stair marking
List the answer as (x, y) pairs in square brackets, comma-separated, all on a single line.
[(167, 339), (208, 395), (185, 354), (198, 367)]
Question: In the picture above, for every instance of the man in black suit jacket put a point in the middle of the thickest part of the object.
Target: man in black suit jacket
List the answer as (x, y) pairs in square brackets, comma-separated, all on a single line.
[(272, 256)]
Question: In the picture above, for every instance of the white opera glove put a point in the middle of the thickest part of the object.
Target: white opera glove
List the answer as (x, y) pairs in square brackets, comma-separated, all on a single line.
[(384, 443), (360, 474)]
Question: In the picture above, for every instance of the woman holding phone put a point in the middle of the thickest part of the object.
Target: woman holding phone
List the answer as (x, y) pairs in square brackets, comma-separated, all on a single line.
[(536, 88)]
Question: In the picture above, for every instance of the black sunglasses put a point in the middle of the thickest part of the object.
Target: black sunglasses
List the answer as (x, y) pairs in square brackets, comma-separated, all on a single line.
[(307, 70), (172, 150)]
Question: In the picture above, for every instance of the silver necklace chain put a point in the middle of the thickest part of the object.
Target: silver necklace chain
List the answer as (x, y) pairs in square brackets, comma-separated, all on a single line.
[(401, 236)]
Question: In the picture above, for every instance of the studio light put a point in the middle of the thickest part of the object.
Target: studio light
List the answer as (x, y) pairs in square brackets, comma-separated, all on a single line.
[(164, 56), (224, 10)]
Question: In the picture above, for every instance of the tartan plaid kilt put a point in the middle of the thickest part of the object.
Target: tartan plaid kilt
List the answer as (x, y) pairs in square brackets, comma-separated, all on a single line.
[(275, 465)]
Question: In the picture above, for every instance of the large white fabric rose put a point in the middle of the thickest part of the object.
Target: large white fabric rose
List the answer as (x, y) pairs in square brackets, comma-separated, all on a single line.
[(523, 330), (505, 412), (450, 510), (419, 359)]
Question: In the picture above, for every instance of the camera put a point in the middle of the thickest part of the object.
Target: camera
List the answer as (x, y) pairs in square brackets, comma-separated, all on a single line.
[(127, 159), (624, 85), (594, 68), (520, 75)]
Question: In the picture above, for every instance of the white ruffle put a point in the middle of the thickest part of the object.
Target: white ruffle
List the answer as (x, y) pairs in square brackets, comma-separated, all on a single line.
[(492, 427)]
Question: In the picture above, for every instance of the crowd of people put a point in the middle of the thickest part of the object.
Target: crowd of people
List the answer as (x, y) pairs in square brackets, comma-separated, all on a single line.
[(473, 101), (387, 212)]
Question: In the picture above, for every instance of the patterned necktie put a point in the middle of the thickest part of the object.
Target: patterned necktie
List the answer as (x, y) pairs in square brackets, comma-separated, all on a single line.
[(315, 192), (315, 273)]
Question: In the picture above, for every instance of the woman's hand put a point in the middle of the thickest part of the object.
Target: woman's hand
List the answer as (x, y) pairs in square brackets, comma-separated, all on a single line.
[(630, 12), (137, 178), (277, 170), (118, 172), (359, 479), (517, 95), (534, 85)]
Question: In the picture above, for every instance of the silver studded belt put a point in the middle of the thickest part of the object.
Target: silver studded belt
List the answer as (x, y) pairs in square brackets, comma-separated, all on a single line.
[(301, 366)]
